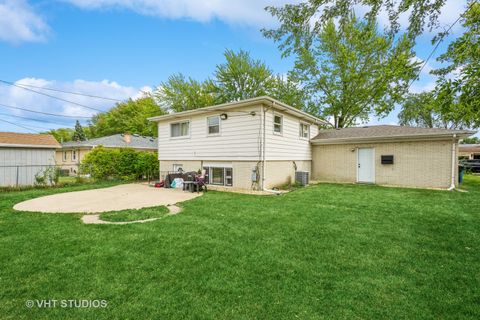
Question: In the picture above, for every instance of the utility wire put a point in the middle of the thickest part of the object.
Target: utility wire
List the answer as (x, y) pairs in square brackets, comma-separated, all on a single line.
[(32, 119), (45, 113), (438, 44), (51, 96), (19, 125), (69, 92)]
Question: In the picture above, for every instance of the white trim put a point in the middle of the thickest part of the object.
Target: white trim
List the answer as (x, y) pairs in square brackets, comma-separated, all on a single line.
[(300, 124), (178, 122), (219, 126), (218, 164), (277, 114), (36, 146), (373, 165)]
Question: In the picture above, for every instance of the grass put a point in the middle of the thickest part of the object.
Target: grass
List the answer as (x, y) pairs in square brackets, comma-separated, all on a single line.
[(132, 215), (327, 251)]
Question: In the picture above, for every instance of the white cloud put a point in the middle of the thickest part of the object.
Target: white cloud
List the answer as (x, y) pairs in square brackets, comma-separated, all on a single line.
[(19, 23), (244, 12), (17, 97)]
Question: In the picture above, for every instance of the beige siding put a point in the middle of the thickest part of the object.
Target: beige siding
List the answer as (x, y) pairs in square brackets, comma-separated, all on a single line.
[(279, 173), (238, 138), (416, 164), (288, 145)]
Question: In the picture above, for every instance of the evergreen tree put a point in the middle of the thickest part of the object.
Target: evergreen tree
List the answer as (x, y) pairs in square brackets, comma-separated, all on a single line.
[(79, 135)]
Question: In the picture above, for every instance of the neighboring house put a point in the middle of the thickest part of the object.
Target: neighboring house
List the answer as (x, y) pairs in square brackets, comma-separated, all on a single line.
[(23, 155), (72, 153), (260, 143), (469, 151)]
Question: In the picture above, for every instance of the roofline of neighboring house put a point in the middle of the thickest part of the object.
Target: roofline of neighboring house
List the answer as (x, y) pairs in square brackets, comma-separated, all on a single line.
[(403, 137), (36, 146), (266, 100), (84, 146)]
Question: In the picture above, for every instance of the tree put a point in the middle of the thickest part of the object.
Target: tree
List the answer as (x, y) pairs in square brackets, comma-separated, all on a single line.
[(242, 77), (78, 134), (181, 94), (470, 140), (458, 87), (295, 18), (429, 110), (351, 71), (129, 116), (62, 134)]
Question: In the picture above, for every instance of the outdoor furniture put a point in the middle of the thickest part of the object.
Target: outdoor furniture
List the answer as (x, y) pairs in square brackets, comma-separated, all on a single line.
[(200, 183)]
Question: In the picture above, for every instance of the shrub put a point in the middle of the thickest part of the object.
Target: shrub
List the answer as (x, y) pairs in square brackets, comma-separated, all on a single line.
[(124, 163)]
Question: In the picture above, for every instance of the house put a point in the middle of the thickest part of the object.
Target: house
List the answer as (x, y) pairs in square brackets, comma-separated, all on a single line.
[(260, 143), (71, 153), (469, 151), (23, 155)]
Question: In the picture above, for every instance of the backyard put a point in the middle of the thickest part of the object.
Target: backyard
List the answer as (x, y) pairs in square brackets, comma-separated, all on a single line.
[(326, 251)]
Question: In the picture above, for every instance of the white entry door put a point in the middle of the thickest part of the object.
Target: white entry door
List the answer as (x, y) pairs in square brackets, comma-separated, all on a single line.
[(366, 165)]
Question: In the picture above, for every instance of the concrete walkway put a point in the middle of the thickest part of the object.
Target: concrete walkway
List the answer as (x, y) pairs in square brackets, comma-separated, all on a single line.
[(126, 196)]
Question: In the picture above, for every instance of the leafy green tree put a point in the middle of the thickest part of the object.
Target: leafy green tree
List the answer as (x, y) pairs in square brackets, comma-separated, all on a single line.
[(78, 134), (242, 77), (181, 94), (129, 116), (470, 140), (351, 71), (313, 14), (458, 88), (62, 134)]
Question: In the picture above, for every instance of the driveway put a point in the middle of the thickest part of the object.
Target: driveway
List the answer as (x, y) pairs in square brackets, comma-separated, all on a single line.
[(126, 196)]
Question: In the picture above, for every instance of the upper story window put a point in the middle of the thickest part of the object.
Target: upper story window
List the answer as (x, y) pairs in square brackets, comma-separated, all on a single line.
[(74, 155), (64, 158), (277, 123), (213, 124), (180, 129), (304, 130)]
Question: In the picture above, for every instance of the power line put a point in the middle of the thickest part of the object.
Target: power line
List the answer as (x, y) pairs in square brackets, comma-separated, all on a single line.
[(51, 96), (45, 113), (19, 125), (69, 92), (37, 120), (438, 44)]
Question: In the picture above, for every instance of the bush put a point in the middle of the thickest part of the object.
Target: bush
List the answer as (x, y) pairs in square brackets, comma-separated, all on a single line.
[(47, 177), (124, 164)]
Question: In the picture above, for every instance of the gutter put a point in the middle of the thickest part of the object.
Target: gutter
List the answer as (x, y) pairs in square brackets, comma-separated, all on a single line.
[(264, 170), (454, 149)]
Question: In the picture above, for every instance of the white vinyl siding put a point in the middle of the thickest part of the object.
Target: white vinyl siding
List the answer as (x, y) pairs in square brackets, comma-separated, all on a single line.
[(287, 146), (239, 139), (179, 129)]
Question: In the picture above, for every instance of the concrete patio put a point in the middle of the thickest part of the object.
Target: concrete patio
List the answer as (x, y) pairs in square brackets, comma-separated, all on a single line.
[(126, 196)]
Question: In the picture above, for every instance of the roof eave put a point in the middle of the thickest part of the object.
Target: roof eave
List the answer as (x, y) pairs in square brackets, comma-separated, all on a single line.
[(442, 136), (36, 146)]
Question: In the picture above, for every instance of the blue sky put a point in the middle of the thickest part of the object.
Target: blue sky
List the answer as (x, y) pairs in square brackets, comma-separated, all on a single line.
[(115, 48)]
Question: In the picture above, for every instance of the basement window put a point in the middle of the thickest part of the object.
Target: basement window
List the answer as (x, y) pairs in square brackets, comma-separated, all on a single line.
[(219, 176)]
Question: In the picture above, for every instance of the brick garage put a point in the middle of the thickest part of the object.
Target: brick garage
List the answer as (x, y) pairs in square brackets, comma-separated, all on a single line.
[(387, 155)]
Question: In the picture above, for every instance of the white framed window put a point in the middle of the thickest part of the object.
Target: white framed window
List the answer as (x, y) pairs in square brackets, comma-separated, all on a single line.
[(221, 176), (213, 125), (74, 155), (304, 131), (64, 156), (177, 167), (180, 129), (277, 123)]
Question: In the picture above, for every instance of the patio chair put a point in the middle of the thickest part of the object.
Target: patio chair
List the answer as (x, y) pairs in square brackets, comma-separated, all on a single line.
[(200, 182)]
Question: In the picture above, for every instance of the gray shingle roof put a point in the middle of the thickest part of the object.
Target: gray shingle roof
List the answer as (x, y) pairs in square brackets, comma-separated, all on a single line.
[(117, 141), (382, 131)]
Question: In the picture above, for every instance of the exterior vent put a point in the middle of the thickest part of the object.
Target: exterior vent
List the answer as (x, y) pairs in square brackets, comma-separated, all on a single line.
[(302, 177)]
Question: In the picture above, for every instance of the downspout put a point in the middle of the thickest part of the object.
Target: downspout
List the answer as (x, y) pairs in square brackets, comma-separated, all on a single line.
[(454, 149), (264, 170)]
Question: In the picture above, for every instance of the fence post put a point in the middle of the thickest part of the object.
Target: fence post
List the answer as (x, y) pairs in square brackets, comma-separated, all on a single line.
[(17, 176)]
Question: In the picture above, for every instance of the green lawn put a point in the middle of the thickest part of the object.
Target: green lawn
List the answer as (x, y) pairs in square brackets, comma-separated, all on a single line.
[(131, 215), (327, 251)]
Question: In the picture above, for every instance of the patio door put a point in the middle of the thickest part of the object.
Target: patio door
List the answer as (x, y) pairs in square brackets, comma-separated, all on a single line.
[(366, 165)]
